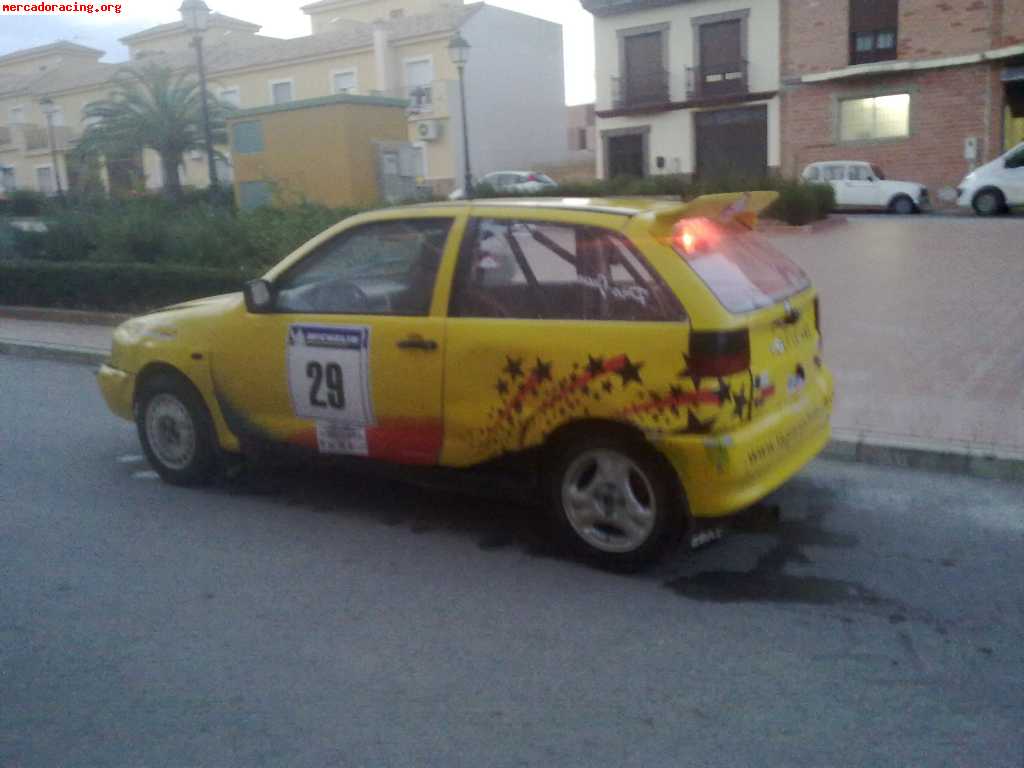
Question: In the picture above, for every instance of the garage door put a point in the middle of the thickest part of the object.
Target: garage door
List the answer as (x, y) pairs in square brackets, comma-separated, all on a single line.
[(732, 143)]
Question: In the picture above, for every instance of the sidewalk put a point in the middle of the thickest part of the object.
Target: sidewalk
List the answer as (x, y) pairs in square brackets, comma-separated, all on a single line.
[(860, 433), (70, 341)]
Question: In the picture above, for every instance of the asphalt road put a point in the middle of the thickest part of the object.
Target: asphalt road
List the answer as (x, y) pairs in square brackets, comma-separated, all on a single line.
[(322, 618)]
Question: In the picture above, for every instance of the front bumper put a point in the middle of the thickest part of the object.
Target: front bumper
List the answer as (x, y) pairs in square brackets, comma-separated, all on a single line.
[(118, 389), (723, 474)]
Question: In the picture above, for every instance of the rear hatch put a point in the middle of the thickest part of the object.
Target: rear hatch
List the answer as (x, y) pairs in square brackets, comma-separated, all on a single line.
[(755, 282)]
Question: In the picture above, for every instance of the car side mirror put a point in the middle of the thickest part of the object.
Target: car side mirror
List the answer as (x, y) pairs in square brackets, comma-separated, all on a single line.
[(259, 296)]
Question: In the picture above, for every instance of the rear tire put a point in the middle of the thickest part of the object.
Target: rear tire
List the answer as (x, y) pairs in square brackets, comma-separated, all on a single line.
[(176, 431), (989, 202), (902, 206), (614, 500)]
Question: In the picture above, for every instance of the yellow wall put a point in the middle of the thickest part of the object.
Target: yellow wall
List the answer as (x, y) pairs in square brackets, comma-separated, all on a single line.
[(311, 79), (1013, 130), (323, 154)]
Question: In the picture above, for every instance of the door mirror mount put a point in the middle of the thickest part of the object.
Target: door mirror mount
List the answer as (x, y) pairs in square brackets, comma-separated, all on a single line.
[(259, 296)]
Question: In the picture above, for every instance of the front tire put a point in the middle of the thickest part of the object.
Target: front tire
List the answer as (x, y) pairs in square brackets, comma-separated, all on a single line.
[(902, 206), (176, 431), (614, 501), (989, 202)]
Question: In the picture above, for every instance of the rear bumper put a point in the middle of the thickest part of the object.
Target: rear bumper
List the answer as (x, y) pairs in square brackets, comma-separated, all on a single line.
[(723, 474), (118, 389)]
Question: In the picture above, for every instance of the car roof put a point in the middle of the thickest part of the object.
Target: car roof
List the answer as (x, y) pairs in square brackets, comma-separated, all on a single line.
[(621, 206)]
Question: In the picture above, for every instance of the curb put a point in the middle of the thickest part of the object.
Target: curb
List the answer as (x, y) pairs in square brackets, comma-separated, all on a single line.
[(54, 315), (990, 463), (56, 352)]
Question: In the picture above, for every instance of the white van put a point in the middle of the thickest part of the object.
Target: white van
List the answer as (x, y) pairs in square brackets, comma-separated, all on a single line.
[(995, 187)]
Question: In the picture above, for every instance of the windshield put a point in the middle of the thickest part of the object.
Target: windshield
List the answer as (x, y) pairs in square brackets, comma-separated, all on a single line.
[(742, 270), (878, 173)]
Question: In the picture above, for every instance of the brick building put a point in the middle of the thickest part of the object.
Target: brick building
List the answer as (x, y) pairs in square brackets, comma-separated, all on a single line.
[(927, 89)]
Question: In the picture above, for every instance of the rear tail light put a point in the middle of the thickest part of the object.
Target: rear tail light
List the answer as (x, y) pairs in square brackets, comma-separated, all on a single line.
[(717, 353)]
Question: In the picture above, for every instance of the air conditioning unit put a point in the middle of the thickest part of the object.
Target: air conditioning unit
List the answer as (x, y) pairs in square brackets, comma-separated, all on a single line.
[(428, 130)]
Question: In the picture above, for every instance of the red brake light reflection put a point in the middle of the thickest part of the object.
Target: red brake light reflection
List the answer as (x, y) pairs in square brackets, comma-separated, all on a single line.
[(693, 236)]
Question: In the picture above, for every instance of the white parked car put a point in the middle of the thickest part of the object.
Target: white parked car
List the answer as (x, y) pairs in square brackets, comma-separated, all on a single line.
[(995, 187), (511, 181), (863, 185)]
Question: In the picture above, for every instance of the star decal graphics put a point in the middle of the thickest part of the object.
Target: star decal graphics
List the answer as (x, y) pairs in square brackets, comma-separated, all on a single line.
[(630, 371), (514, 368), (542, 372)]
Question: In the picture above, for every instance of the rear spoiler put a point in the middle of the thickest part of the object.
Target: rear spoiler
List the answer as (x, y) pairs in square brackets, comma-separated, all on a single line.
[(742, 207)]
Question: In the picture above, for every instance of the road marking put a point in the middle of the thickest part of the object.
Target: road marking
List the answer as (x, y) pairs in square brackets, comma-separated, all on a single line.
[(129, 458), (145, 474)]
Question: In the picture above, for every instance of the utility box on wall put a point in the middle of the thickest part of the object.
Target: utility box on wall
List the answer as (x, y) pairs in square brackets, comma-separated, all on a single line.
[(320, 150)]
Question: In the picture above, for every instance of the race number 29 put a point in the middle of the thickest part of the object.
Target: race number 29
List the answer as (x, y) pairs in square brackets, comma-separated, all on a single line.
[(329, 373), (329, 378)]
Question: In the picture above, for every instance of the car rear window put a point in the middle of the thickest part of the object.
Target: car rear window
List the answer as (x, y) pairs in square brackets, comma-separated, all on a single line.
[(743, 271)]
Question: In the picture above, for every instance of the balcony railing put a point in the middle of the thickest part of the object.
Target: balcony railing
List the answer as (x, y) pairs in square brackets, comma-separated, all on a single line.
[(634, 92), (708, 82)]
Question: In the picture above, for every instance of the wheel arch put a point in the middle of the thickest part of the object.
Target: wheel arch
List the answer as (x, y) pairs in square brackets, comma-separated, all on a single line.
[(900, 196), (227, 439), (567, 433), (988, 188)]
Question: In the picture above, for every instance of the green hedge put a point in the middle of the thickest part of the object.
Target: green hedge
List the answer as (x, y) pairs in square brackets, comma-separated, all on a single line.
[(109, 287), (154, 231)]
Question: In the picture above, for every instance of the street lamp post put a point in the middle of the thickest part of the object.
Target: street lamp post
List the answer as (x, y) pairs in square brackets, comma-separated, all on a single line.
[(49, 110), (458, 50), (196, 15)]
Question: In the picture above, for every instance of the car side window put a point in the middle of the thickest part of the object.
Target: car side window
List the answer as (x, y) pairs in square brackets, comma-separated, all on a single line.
[(1016, 160), (811, 173), (383, 268), (542, 270), (833, 172), (858, 173)]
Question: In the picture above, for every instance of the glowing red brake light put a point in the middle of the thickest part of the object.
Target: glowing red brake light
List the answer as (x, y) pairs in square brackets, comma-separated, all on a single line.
[(693, 236)]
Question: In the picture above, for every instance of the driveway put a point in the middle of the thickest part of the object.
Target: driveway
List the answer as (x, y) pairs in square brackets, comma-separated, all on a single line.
[(923, 321)]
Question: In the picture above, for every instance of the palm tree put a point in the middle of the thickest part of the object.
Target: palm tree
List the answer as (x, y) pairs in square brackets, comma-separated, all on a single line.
[(152, 107)]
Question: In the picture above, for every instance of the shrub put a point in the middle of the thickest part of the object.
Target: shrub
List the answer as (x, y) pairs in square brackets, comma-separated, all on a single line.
[(25, 202), (109, 287), (799, 203), (70, 236), (16, 243), (273, 233)]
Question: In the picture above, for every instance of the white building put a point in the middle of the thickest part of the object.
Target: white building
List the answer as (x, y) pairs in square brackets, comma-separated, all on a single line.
[(687, 87)]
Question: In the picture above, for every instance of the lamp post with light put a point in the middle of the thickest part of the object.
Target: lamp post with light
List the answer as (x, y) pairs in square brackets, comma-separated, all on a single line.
[(458, 51), (196, 15), (49, 110)]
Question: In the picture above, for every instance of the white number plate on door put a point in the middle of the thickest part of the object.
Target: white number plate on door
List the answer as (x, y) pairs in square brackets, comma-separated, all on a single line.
[(329, 373)]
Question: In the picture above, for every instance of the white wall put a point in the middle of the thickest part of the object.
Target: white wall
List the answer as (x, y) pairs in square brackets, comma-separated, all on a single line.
[(515, 92), (672, 133), (762, 42)]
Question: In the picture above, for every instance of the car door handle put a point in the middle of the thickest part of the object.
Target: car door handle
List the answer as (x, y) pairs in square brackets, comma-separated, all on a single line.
[(418, 342)]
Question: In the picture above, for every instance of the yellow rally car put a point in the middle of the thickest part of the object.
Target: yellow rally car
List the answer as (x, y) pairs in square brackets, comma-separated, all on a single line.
[(661, 361)]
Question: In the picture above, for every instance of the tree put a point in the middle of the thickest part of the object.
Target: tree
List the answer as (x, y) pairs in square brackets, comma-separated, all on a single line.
[(152, 107)]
